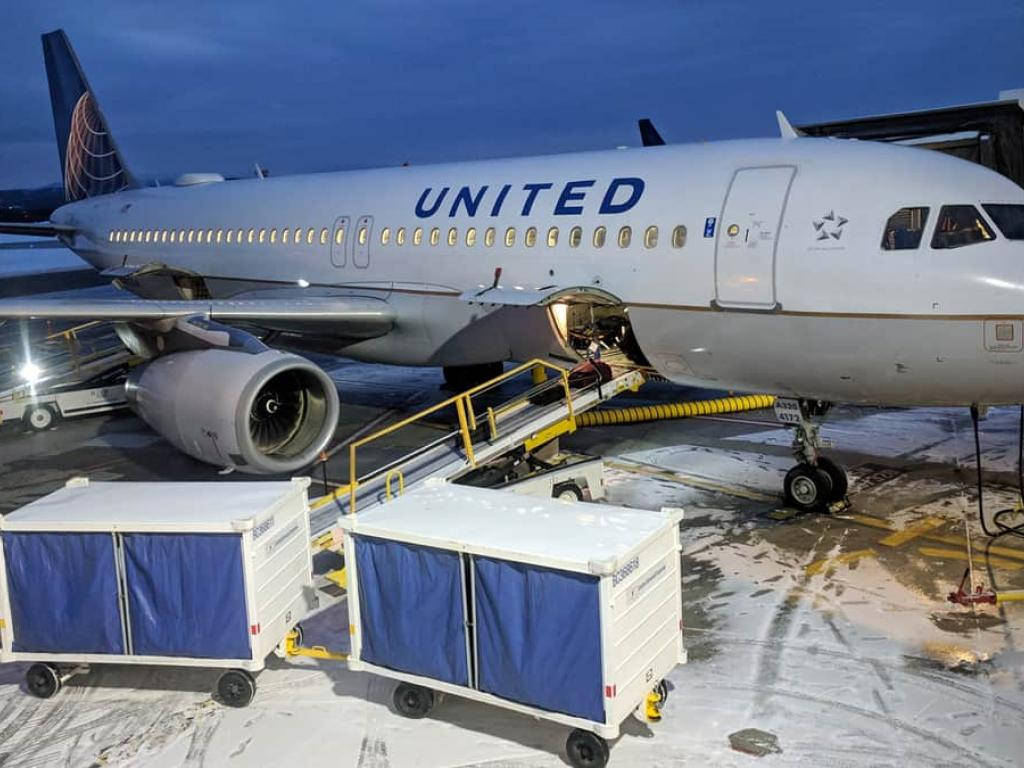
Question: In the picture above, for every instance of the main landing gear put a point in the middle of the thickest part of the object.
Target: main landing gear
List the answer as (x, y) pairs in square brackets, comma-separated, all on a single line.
[(816, 482)]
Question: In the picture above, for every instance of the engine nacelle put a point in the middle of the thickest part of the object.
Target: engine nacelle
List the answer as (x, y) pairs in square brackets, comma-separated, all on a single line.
[(266, 413)]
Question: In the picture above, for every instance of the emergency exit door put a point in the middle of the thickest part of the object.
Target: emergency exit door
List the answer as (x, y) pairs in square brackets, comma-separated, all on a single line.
[(748, 236)]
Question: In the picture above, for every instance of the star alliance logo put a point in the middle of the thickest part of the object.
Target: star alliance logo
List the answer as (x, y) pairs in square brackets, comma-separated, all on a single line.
[(830, 225)]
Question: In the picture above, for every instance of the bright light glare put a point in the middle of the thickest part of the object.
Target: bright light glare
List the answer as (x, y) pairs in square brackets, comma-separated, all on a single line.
[(30, 372), (303, 283)]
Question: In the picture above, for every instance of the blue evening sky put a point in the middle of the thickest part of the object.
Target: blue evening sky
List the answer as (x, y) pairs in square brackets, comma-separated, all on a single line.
[(304, 86)]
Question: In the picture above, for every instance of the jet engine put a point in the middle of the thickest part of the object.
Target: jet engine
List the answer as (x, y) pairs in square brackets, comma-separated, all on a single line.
[(265, 413)]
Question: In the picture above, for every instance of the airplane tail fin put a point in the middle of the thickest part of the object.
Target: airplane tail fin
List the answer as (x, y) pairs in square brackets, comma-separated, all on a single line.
[(90, 161)]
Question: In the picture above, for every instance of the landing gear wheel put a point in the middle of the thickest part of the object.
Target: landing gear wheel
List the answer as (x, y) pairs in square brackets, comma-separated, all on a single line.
[(40, 418), (586, 750), (413, 701), (42, 680), (236, 688), (567, 492), (840, 485), (807, 488)]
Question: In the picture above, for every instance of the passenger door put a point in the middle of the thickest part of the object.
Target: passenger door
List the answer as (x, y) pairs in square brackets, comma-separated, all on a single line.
[(340, 238), (748, 236), (364, 233)]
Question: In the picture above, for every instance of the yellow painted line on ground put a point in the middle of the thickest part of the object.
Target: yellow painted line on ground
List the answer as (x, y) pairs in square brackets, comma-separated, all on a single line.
[(911, 532), (829, 562), (956, 554), (641, 468), (942, 538)]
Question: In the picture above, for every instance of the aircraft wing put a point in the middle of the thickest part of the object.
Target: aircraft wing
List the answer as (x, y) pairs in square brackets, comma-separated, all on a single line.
[(351, 317), (42, 228)]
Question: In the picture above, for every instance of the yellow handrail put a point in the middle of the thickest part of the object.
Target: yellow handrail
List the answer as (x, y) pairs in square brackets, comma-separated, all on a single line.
[(387, 482), (467, 424)]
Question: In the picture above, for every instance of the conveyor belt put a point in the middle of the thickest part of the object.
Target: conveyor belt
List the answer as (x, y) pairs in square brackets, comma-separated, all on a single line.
[(519, 423)]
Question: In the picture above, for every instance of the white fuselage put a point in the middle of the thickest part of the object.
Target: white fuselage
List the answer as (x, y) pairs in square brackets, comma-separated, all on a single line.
[(755, 299)]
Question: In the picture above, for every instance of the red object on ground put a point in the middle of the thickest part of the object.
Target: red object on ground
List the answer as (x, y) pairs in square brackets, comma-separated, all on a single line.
[(979, 595)]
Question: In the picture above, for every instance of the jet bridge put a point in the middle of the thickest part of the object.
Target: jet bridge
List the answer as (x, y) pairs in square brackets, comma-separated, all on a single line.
[(485, 432)]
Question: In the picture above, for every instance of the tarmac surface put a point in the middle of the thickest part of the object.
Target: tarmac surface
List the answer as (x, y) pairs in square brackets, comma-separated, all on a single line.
[(829, 632), (827, 635)]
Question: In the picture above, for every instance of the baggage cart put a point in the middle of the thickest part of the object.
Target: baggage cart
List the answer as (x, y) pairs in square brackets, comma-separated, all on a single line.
[(560, 610), (185, 574)]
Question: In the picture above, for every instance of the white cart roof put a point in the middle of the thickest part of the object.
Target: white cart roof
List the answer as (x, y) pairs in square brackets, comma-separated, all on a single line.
[(157, 506), (590, 538)]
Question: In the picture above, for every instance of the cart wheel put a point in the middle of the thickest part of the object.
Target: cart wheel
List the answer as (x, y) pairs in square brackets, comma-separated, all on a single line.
[(413, 701), (586, 749), (298, 634), (236, 688), (43, 680), (567, 492), (40, 418)]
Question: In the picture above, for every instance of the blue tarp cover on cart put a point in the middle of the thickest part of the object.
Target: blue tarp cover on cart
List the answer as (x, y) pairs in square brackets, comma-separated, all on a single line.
[(63, 592), (538, 637), (411, 609), (186, 595)]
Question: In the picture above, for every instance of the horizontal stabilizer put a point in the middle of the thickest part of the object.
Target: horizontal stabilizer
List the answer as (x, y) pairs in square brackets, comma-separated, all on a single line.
[(41, 229), (649, 135)]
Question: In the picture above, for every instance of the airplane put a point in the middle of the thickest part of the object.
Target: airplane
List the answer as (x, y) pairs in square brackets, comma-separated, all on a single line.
[(819, 270)]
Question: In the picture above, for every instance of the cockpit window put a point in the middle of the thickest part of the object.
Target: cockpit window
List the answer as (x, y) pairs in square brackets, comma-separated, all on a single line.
[(1009, 219), (904, 229), (960, 225)]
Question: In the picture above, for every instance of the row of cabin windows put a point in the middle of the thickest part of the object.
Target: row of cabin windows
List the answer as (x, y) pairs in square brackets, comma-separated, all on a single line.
[(240, 236), (401, 236)]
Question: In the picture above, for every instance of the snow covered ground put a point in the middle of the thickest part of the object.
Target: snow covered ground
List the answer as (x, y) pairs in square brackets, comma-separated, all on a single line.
[(830, 632)]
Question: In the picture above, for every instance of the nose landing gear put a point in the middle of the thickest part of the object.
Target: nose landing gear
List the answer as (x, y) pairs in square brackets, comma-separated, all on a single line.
[(816, 482)]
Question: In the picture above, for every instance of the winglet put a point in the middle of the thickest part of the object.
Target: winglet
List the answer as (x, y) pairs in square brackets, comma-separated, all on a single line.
[(786, 129), (649, 135)]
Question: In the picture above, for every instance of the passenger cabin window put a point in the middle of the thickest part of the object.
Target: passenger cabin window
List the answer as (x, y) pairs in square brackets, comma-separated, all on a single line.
[(651, 237), (960, 225), (417, 236), (510, 237), (230, 236), (435, 236), (361, 237), (298, 235), (679, 236), (531, 237), (400, 236), (471, 237), (385, 236), (904, 229), (273, 236), (453, 236), (552, 237), (339, 236), (309, 236), (575, 237), (285, 234), (625, 236), (174, 236), (323, 236), (263, 235), (209, 235), (252, 235), (1009, 219), (599, 236), (489, 237)]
